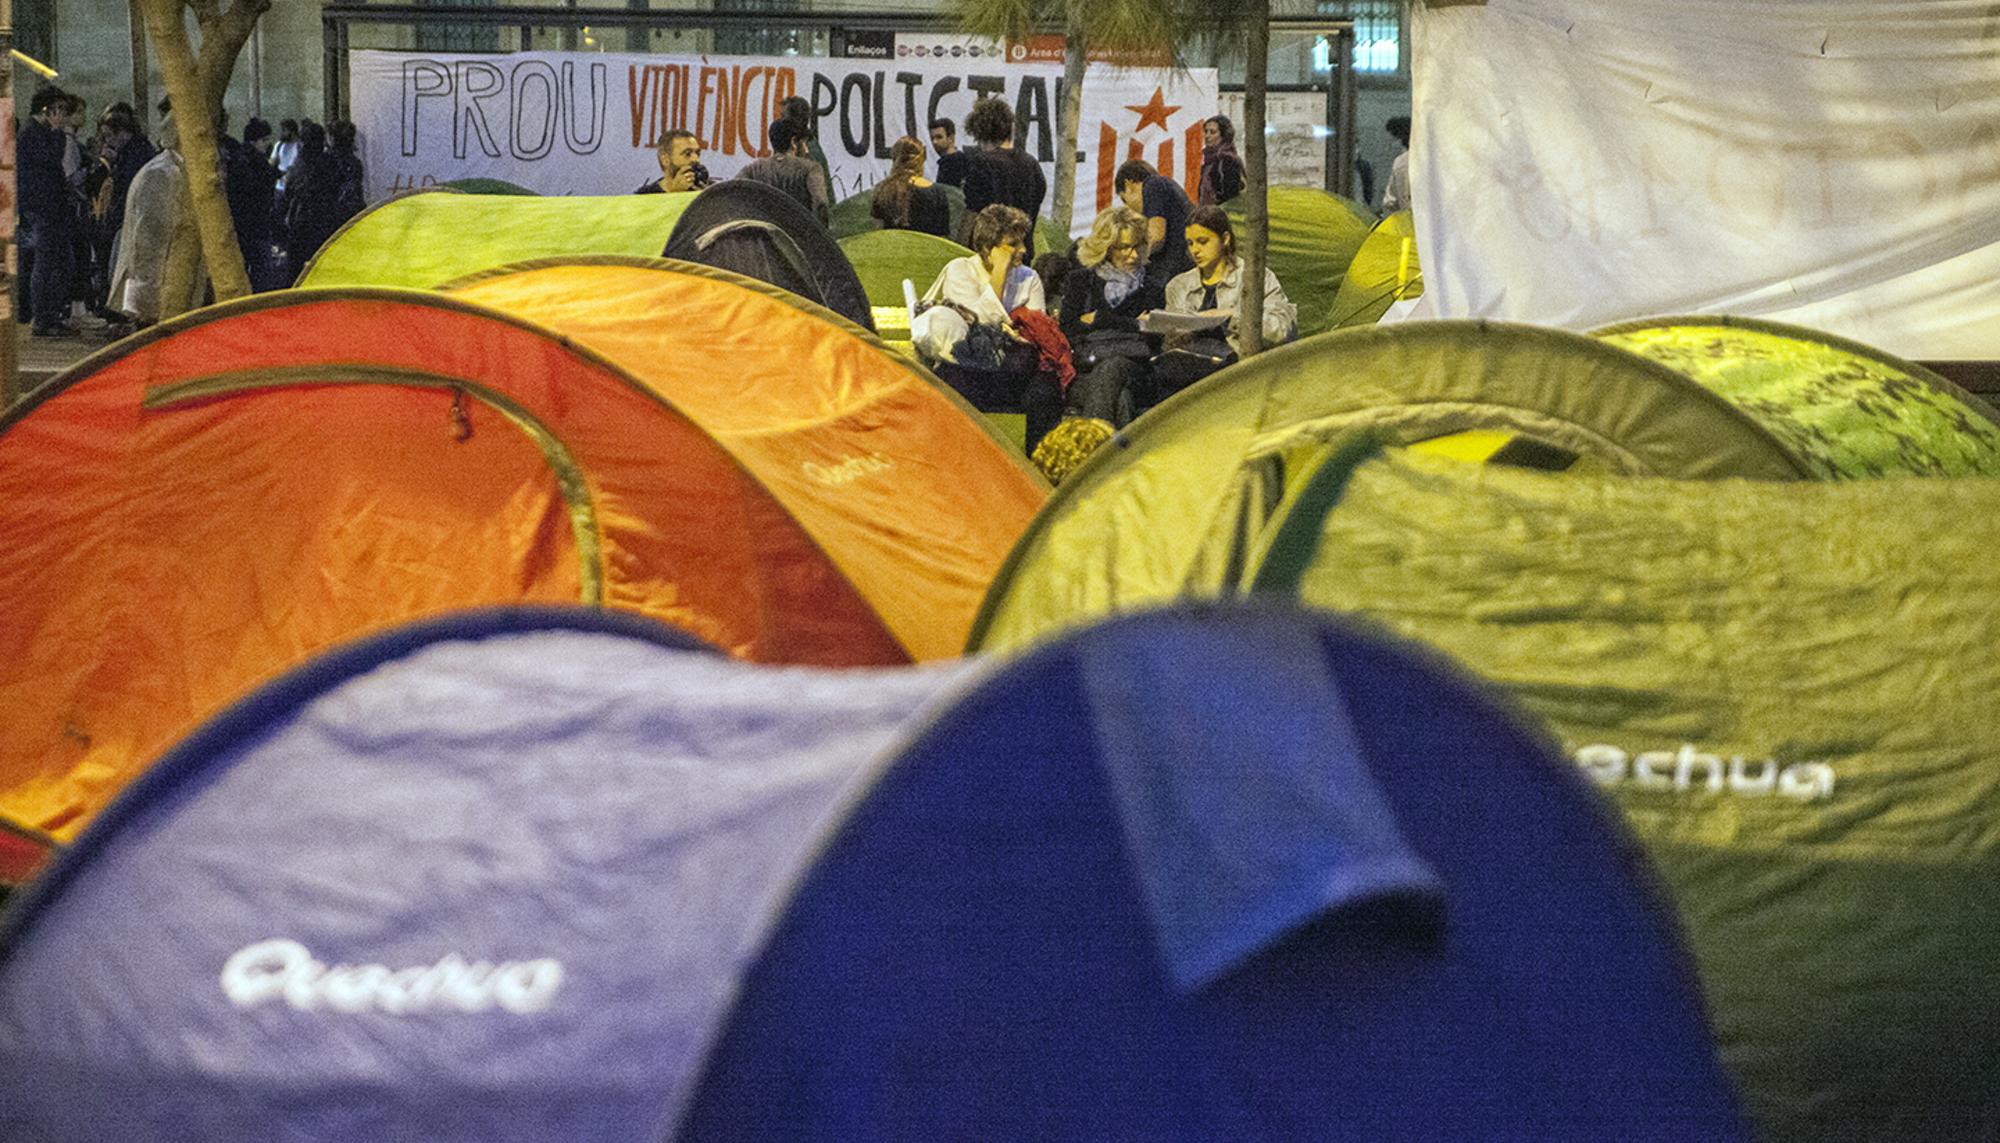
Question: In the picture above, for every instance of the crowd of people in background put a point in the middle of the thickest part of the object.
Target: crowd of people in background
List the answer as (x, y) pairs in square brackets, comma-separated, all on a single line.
[(100, 214), (986, 322), (1097, 353)]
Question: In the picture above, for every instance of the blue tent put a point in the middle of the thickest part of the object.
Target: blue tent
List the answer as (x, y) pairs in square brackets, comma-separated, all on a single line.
[(532, 875)]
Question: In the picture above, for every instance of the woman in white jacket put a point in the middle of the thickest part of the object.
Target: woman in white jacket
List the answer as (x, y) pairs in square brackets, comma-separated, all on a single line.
[(1212, 289)]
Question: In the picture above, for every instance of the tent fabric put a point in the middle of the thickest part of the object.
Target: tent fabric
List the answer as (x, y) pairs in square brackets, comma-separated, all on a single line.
[(22, 852), (487, 186), (1314, 235), (855, 214), (1173, 505), (201, 506), (759, 231), (604, 879), (433, 236), (884, 259), (1385, 270), (1787, 688), (1850, 411), (907, 489), (1820, 162)]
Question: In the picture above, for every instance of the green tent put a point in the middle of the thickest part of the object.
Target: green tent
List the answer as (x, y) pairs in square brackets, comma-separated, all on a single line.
[(884, 258), (1384, 271), (432, 237), (1314, 236), (1847, 409), (850, 216), (1168, 507), (1789, 690), (486, 186)]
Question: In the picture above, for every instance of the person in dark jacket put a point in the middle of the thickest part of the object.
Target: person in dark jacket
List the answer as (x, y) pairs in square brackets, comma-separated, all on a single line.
[(791, 169), (1221, 168), (46, 212), (1102, 302), (906, 200), (250, 182), (997, 174), (1165, 206), (323, 190), (951, 160), (122, 150)]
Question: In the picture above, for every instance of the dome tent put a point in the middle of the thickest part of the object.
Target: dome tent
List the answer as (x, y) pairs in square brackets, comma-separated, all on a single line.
[(855, 214), (204, 504), (1850, 411), (436, 235), (1384, 271), (1174, 505), (1787, 688), (1314, 236), (616, 888), (486, 186), (884, 259), (906, 488), (759, 231)]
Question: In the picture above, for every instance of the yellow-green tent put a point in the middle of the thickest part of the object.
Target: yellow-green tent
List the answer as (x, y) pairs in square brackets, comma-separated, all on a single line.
[(433, 236), (1384, 271)]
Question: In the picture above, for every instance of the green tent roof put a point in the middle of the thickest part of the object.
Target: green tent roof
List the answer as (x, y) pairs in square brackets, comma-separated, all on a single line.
[(883, 258), (486, 186), (850, 216), (424, 239), (1789, 690), (1314, 236), (1848, 410), (1384, 271), (1169, 506)]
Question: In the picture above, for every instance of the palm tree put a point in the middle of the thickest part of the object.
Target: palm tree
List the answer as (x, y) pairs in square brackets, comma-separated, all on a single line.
[(196, 84), (1088, 26)]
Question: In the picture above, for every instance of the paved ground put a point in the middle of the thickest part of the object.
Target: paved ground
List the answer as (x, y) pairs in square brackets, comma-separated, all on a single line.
[(42, 358)]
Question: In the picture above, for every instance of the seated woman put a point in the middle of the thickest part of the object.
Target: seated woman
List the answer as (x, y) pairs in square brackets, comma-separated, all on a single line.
[(1101, 306), (906, 200), (1213, 288), (987, 327)]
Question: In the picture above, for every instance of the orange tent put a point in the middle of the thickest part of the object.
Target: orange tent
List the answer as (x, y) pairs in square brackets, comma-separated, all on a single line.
[(904, 485), (203, 505)]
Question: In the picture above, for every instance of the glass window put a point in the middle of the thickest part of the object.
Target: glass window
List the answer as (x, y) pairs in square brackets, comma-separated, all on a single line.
[(1378, 33)]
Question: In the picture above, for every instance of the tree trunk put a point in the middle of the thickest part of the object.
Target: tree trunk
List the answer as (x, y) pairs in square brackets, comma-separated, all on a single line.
[(1069, 123), (142, 99), (1257, 216), (10, 365), (196, 106)]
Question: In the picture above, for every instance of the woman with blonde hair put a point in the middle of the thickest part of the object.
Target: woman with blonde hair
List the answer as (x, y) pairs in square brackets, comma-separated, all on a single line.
[(1101, 305), (906, 200)]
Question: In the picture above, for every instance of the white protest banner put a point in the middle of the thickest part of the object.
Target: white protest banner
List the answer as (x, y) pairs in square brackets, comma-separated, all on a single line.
[(588, 122), (1835, 165)]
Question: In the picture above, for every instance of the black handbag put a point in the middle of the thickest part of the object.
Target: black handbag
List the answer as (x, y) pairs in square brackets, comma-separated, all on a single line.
[(1104, 345)]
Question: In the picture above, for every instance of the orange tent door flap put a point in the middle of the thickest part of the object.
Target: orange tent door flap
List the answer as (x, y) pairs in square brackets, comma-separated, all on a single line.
[(173, 533)]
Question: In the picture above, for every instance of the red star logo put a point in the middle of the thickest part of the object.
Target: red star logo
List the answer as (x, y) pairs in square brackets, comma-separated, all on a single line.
[(1155, 111)]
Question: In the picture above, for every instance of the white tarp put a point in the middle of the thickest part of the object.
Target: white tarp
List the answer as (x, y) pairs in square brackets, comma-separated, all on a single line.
[(1833, 164), (588, 122)]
